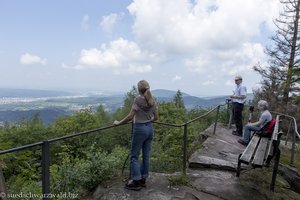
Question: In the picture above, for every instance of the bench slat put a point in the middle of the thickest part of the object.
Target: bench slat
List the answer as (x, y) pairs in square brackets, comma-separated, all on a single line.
[(250, 149), (273, 137), (259, 157)]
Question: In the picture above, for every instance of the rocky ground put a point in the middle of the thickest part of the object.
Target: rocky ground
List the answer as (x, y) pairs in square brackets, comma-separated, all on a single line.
[(210, 176)]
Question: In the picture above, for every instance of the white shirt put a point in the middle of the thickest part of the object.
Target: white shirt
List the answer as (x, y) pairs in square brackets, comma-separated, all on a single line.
[(240, 90)]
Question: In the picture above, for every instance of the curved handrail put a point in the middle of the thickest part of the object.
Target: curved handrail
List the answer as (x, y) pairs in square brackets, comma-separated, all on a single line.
[(294, 136), (291, 117), (192, 120), (201, 116), (21, 148), (167, 124)]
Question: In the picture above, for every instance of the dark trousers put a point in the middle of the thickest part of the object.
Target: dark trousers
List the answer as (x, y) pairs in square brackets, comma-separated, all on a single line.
[(238, 116)]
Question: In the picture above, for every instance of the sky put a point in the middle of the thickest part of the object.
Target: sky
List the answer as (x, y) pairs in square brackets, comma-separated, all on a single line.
[(195, 46)]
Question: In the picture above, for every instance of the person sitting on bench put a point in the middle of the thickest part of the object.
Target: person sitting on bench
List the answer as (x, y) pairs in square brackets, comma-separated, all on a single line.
[(265, 117)]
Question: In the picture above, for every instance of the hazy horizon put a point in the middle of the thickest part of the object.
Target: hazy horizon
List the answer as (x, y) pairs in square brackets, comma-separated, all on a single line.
[(108, 92)]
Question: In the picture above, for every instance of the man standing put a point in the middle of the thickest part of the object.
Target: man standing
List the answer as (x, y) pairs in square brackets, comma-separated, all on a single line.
[(238, 100)]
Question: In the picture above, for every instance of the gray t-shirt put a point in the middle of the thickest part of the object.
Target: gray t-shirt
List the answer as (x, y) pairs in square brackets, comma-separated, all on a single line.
[(143, 111), (264, 118)]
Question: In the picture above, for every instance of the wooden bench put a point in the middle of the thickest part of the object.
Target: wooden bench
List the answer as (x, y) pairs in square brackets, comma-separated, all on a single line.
[(260, 151)]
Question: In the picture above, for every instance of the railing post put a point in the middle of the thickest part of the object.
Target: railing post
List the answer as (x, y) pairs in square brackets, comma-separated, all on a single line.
[(275, 169), (184, 149), (276, 152), (288, 132), (293, 147), (227, 111), (45, 168), (229, 105), (128, 155), (216, 120)]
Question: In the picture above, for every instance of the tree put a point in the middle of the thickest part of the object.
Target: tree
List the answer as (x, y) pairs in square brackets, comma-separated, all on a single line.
[(282, 76), (178, 100), (102, 116), (129, 99)]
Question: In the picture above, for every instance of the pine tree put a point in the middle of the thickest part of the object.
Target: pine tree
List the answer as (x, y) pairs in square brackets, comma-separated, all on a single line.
[(178, 100), (282, 77)]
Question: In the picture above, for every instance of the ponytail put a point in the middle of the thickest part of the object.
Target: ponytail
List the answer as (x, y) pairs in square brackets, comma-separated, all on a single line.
[(144, 89), (149, 97)]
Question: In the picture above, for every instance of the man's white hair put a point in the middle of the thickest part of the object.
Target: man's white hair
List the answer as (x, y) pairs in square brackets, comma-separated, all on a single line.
[(263, 104)]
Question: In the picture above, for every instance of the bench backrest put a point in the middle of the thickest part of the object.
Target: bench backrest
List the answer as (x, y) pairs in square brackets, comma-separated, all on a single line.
[(273, 138), (269, 128)]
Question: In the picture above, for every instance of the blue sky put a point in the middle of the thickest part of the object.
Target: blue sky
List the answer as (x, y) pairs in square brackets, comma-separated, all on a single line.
[(196, 46)]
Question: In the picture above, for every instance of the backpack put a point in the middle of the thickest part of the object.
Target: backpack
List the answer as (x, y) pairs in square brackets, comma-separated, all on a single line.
[(268, 129)]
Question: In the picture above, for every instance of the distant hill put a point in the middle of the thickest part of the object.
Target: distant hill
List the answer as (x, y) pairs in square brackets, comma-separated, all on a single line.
[(59, 103), (22, 93), (166, 93), (192, 101)]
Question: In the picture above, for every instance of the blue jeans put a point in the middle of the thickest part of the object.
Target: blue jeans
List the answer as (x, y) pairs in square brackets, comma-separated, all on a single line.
[(247, 132), (141, 140)]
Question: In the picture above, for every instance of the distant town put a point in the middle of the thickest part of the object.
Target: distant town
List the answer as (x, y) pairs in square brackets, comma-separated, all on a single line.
[(23, 104)]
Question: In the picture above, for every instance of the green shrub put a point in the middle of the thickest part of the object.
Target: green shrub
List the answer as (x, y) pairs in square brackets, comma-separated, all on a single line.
[(23, 187), (80, 175)]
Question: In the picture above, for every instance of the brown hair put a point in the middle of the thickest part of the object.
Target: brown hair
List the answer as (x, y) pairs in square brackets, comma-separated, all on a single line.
[(144, 89)]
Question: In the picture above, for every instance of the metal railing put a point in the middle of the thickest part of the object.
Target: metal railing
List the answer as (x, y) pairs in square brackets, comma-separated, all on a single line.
[(46, 145), (46, 154), (294, 135)]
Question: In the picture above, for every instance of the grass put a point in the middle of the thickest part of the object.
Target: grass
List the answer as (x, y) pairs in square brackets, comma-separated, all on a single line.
[(260, 180), (179, 180), (285, 157)]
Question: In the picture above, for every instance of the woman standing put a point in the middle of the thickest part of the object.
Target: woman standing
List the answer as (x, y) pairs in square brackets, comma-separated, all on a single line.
[(143, 113)]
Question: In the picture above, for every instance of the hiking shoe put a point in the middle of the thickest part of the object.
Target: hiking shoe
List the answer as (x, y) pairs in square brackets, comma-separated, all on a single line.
[(142, 182), (242, 142), (236, 133), (133, 185)]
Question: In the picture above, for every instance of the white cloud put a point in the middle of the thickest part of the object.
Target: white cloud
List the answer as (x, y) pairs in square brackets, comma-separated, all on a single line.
[(139, 68), (78, 67), (208, 82), (85, 23), (176, 78), (108, 22), (120, 56), (229, 82), (28, 59), (213, 39), (180, 26), (227, 63)]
